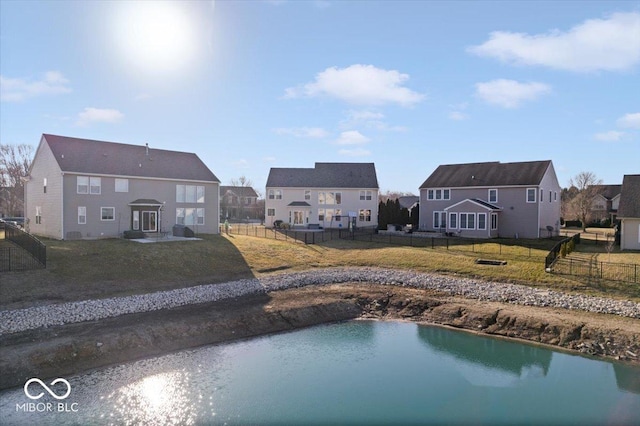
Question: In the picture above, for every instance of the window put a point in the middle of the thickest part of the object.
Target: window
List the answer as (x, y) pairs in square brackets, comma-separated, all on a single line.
[(555, 195), (44, 185), (190, 216), (199, 216), (107, 213), (271, 212), (38, 215), (531, 195), (482, 221), (467, 220), (439, 220), (493, 195), (541, 195), (494, 221), (550, 193), (330, 198), (453, 220), (272, 194), (180, 212), (338, 215), (322, 198), (365, 215), (136, 220), (82, 185), (122, 185), (82, 215), (307, 195), (365, 195), (338, 197), (189, 194), (320, 215), (95, 185), (438, 194)]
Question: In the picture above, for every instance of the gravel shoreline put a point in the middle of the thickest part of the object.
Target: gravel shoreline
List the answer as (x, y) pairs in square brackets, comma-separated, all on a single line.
[(14, 321)]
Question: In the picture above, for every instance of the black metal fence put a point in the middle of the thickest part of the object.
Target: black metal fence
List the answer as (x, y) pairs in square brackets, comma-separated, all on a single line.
[(555, 252), (31, 253), (627, 273), (304, 236)]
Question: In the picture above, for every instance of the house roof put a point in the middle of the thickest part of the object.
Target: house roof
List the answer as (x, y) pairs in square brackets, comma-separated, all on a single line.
[(487, 174), (298, 204), (476, 201), (408, 201), (630, 197), (608, 191), (240, 191), (325, 175), (75, 155)]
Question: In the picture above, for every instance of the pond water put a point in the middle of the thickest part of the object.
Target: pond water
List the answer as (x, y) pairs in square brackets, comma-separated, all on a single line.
[(352, 372)]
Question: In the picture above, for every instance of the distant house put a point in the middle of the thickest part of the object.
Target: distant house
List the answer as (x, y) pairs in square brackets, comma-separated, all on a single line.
[(412, 204), (605, 203), (629, 213), (330, 195), (493, 199), (239, 203), (80, 188)]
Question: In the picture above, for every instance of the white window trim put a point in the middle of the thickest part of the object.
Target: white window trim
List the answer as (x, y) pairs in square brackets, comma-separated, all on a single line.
[(123, 185), (271, 212), (113, 216), (535, 195), (492, 216), (478, 221), (489, 195), (431, 194), (449, 224), (95, 182), (466, 221), (84, 216), (78, 184)]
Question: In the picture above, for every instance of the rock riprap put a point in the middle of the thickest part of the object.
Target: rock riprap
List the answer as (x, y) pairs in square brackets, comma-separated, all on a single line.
[(14, 321)]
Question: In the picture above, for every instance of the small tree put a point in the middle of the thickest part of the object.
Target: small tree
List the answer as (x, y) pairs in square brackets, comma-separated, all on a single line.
[(588, 187), (14, 165)]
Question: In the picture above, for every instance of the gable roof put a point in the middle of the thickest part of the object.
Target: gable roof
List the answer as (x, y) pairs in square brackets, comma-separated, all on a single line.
[(325, 175), (408, 201), (487, 174), (630, 197), (608, 191), (91, 157), (240, 191)]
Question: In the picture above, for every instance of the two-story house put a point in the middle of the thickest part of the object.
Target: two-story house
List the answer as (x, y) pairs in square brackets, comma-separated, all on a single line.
[(330, 195), (493, 199), (80, 188), (239, 203), (606, 202)]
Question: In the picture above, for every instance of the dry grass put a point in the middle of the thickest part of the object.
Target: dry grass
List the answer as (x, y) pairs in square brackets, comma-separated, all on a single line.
[(79, 270)]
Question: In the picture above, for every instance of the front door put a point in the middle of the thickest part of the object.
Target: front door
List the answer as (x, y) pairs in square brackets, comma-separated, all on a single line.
[(149, 221)]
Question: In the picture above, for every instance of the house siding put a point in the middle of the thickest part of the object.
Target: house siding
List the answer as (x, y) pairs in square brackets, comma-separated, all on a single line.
[(630, 234), (44, 166), (549, 210), (350, 203), (163, 191)]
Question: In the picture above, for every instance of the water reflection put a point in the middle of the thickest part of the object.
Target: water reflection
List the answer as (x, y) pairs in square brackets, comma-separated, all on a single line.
[(627, 378), (503, 363)]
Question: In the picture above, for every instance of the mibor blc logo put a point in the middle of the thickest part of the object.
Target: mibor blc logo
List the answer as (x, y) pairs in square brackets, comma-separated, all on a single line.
[(31, 388)]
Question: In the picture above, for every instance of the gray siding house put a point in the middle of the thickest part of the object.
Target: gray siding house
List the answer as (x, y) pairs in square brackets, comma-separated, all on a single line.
[(80, 188), (629, 213), (493, 199), (330, 195)]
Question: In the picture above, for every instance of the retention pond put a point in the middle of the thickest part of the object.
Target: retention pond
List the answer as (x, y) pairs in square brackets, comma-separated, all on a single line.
[(363, 372)]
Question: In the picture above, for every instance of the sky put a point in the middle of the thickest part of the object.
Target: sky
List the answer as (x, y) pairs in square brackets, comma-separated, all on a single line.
[(250, 85)]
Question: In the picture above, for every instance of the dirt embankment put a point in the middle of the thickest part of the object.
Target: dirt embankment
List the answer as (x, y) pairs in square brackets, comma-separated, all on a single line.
[(71, 349)]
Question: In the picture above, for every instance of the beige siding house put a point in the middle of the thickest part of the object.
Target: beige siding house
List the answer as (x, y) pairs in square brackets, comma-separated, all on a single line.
[(331, 195), (629, 213), (80, 188), (493, 199)]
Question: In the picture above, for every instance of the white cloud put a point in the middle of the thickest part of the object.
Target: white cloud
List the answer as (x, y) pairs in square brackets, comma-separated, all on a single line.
[(358, 152), (303, 132), (98, 115), (360, 85), (269, 159), (610, 136), (610, 44), (630, 121), (19, 89), (352, 137), (510, 93), (458, 116), (370, 120)]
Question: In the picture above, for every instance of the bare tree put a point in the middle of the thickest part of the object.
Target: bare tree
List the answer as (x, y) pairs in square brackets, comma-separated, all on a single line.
[(587, 185), (244, 183), (14, 165), (386, 195)]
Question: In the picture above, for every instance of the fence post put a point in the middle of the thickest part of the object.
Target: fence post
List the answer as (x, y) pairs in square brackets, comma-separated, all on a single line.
[(635, 273), (529, 251), (447, 244), (570, 266)]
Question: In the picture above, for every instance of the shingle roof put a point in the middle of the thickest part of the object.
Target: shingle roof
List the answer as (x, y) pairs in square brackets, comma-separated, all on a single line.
[(487, 174), (87, 156), (608, 191), (325, 175), (407, 201), (630, 197), (240, 191)]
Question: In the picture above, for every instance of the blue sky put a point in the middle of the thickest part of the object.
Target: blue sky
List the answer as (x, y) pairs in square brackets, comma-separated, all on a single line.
[(249, 85)]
